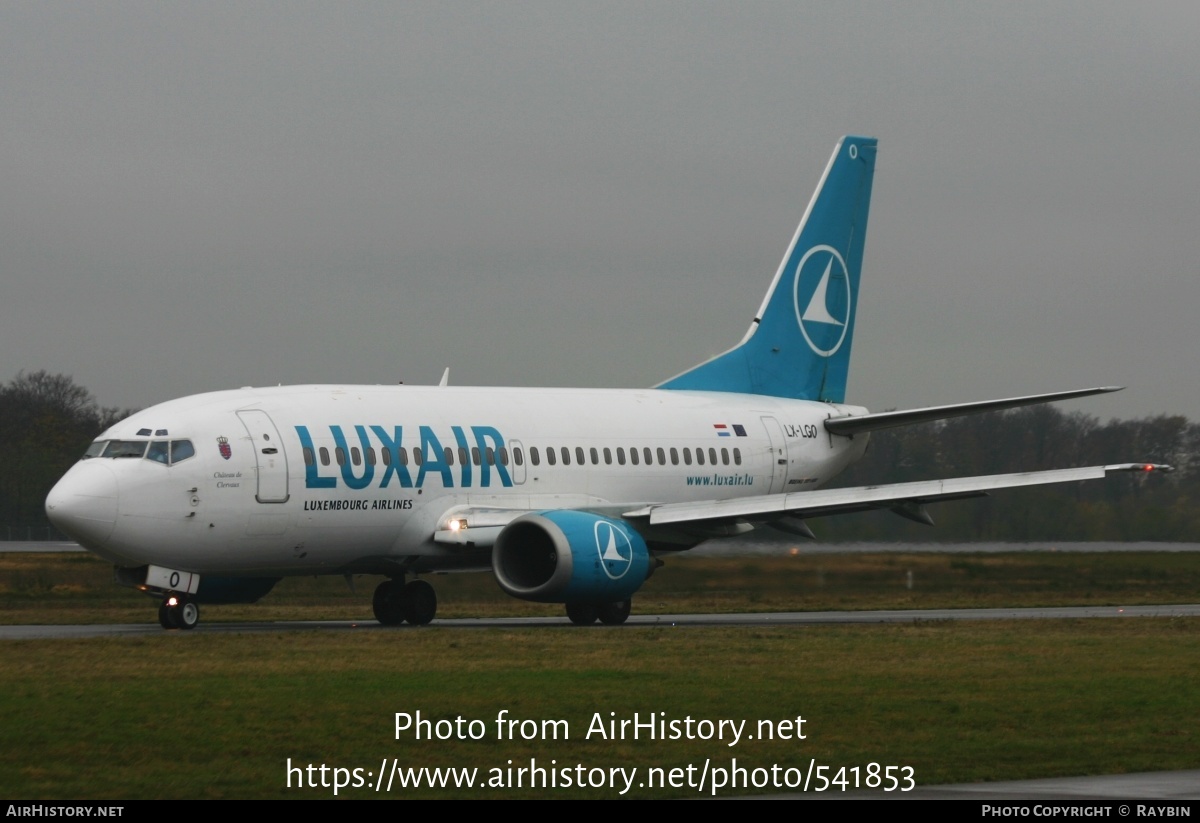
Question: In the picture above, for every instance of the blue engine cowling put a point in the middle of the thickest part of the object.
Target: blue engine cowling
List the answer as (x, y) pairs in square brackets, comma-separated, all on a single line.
[(568, 556)]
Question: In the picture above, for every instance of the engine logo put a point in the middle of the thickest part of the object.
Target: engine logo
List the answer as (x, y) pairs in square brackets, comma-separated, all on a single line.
[(614, 549)]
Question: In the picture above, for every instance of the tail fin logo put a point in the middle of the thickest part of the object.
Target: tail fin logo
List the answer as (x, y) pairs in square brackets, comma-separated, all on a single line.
[(822, 287)]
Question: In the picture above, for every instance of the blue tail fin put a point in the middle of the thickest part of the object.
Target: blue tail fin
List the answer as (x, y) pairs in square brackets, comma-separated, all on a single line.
[(799, 344)]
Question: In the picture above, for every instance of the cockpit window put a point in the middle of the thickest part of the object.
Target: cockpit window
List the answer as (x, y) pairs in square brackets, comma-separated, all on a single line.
[(125, 448), (160, 451), (181, 450)]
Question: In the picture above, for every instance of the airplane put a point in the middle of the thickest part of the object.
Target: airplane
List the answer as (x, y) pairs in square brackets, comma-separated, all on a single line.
[(570, 496)]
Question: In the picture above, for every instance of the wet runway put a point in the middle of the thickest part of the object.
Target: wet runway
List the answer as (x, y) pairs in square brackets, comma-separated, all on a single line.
[(1120, 792), (673, 620)]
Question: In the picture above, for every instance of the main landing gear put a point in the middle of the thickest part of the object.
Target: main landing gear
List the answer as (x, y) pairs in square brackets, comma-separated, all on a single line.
[(397, 602), (178, 612), (610, 614)]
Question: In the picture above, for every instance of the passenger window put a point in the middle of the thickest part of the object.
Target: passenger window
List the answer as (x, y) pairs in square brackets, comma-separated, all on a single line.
[(687, 455), (633, 455), (712, 455), (475, 455), (725, 456), (324, 456), (490, 454), (566, 456), (386, 454), (370, 455), (737, 457), (550, 455), (699, 457), (534, 457), (579, 458), (449, 453), (674, 456), (340, 455), (418, 456), (159, 452), (595, 457), (355, 456), (662, 457), (503, 455), (403, 456), (309, 460), (608, 456), (518, 458), (620, 455), (463, 456)]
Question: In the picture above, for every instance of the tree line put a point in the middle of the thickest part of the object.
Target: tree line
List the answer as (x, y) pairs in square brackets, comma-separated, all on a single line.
[(1122, 507), (47, 420)]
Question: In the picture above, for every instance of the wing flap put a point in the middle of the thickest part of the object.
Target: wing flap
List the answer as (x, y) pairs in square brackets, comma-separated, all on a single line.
[(864, 498)]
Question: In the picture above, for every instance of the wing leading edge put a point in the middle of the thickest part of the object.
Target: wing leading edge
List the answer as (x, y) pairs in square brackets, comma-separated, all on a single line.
[(904, 498)]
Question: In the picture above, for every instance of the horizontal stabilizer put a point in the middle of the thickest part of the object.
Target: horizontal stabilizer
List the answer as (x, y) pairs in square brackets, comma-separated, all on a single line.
[(907, 417)]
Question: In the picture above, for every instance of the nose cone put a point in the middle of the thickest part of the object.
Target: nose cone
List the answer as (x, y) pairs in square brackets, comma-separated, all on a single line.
[(83, 505)]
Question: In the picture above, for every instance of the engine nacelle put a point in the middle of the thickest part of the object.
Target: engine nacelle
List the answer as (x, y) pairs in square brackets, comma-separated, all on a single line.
[(570, 556)]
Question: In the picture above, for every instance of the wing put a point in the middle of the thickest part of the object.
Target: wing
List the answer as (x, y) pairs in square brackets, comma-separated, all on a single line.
[(906, 499), (478, 527), (850, 426)]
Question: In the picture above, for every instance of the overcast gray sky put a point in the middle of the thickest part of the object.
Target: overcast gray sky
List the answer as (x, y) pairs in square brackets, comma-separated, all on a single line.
[(198, 196)]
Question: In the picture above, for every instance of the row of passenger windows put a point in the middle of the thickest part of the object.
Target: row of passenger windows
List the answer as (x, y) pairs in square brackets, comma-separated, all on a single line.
[(646, 456), (564, 454), (476, 456)]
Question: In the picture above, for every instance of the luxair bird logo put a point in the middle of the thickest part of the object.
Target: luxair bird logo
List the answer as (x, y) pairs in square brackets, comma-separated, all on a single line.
[(223, 447), (822, 298), (614, 550)]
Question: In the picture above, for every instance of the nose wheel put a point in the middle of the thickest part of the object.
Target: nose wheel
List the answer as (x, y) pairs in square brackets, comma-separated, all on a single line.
[(178, 613)]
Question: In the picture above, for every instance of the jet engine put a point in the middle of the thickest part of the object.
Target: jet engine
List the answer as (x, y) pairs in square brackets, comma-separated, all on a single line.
[(570, 556)]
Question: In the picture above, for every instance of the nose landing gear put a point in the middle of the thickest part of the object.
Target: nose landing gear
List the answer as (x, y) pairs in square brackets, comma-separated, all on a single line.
[(178, 613)]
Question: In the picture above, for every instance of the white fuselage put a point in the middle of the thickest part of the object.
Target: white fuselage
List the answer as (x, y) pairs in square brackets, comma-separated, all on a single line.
[(324, 479)]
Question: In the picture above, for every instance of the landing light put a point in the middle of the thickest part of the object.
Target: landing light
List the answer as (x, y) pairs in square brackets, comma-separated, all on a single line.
[(457, 525)]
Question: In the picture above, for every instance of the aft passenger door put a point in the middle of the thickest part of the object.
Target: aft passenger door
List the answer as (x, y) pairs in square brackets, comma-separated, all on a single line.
[(269, 454), (779, 458)]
